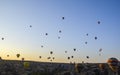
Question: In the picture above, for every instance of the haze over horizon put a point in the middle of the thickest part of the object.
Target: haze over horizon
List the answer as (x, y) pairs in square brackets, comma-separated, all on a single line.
[(83, 30)]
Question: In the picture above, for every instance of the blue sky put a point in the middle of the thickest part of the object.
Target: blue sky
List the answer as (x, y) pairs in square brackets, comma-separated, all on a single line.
[(45, 16)]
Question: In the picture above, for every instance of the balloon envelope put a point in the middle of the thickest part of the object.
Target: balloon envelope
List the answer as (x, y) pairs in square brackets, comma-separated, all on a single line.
[(113, 61), (30, 26), (51, 52), (2, 38), (68, 58), (7, 55), (98, 22), (65, 51), (74, 49), (63, 18), (41, 46), (87, 57), (85, 42), (40, 57), (72, 56), (87, 34), (58, 37), (100, 49), (18, 55), (46, 33), (60, 31), (95, 38)]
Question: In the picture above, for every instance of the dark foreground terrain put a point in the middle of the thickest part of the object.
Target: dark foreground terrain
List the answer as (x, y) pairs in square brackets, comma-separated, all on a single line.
[(12, 67)]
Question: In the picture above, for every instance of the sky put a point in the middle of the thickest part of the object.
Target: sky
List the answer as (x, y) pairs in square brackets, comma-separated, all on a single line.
[(24, 24)]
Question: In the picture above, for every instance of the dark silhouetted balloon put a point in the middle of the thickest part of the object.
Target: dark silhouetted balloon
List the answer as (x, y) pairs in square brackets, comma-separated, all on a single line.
[(40, 57), (51, 52), (46, 33), (85, 42), (68, 58), (95, 38), (87, 34), (2, 38), (48, 57), (63, 18), (30, 26), (72, 56), (18, 55), (65, 51), (87, 57), (41, 46), (53, 58), (98, 22), (100, 49), (60, 31), (74, 49), (58, 37), (7, 55), (22, 59)]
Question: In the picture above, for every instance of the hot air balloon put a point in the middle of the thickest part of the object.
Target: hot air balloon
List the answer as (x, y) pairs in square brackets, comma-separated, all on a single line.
[(98, 22), (113, 61), (48, 58), (68, 58), (95, 38), (30, 26), (85, 42), (65, 51), (87, 34), (58, 37), (7, 55), (41, 46), (74, 49), (22, 59), (100, 49), (53, 58), (63, 18), (72, 56), (2, 38), (51, 52), (60, 31), (87, 57), (113, 64), (40, 57), (46, 34), (18, 55)]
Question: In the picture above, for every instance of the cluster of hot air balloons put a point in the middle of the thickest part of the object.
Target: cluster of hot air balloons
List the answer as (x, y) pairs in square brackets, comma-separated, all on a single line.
[(59, 32), (51, 52), (95, 39), (50, 57), (72, 56)]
